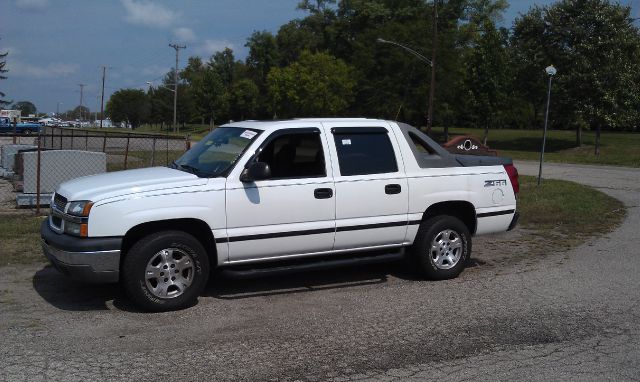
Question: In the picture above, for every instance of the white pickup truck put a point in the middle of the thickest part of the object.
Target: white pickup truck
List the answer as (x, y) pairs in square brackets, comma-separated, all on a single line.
[(277, 196)]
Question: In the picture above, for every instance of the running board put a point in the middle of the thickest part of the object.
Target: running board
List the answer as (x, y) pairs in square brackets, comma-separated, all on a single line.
[(318, 265)]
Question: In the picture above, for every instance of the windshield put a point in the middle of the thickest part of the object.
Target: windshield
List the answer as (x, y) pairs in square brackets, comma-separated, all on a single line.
[(216, 153)]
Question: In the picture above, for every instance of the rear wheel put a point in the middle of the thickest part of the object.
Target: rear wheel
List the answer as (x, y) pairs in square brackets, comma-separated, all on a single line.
[(165, 271), (442, 247)]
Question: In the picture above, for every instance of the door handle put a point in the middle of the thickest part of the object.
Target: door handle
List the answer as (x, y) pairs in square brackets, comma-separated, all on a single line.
[(323, 193), (391, 189)]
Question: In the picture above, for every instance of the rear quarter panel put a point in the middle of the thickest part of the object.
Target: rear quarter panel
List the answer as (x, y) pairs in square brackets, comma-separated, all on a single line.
[(428, 186)]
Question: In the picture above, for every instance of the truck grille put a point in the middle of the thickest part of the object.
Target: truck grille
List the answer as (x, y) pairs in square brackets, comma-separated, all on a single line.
[(59, 202)]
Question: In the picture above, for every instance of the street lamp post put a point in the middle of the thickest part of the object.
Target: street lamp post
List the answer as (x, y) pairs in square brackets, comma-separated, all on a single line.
[(423, 59), (551, 71)]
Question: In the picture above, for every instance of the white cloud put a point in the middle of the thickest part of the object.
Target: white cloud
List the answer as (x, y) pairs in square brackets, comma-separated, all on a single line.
[(32, 5), (52, 70), (184, 34), (143, 12), (209, 47)]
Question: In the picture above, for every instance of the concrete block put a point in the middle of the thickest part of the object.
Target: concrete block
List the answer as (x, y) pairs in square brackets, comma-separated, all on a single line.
[(8, 154), (58, 166)]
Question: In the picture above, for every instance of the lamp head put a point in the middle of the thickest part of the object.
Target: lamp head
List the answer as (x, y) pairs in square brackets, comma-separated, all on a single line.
[(551, 70)]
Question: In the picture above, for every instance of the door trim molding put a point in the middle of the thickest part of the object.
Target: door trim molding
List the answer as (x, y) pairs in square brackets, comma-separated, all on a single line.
[(316, 231)]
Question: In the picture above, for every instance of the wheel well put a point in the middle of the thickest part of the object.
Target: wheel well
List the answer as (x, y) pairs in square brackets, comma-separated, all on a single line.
[(461, 209), (197, 228)]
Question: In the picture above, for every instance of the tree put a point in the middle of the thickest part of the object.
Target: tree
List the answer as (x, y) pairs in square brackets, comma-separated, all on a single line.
[(79, 112), (193, 70), (244, 98), (25, 107), (223, 63), (596, 48), (488, 75), (130, 105), (263, 55), (208, 91), (529, 57), (316, 85), (3, 62), (292, 39)]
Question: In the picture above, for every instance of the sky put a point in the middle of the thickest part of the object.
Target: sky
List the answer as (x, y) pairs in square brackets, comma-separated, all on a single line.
[(55, 45)]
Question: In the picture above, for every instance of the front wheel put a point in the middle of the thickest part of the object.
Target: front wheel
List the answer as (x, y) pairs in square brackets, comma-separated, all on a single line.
[(165, 271), (442, 247)]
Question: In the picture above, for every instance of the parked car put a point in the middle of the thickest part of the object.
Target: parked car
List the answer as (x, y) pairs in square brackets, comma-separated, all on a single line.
[(299, 194), (26, 128)]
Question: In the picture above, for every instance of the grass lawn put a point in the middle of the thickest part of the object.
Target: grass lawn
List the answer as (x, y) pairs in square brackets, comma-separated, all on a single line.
[(563, 213), (617, 149), (20, 238), (566, 212)]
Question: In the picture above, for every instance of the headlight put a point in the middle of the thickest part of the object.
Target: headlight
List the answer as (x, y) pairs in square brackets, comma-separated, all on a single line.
[(81, 208)]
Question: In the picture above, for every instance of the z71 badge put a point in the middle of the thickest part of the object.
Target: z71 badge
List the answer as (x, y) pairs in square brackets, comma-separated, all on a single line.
[(492, 183)]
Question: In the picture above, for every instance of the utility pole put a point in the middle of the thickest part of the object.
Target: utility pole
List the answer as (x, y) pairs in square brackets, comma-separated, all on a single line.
[(104, 70), (96, 118), (81, 92), (175, 84), (434, 48)]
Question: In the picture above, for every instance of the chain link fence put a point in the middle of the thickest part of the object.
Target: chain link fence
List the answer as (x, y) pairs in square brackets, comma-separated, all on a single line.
[(36, 165), (124, 150)]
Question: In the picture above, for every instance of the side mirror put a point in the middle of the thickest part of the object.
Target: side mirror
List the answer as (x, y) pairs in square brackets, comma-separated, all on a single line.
[(256, 171)]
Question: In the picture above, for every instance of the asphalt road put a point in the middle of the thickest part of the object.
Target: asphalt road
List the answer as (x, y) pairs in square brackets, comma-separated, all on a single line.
[(563, 316)]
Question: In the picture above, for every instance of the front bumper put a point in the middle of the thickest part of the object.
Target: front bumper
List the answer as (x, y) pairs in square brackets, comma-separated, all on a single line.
[(94, 260)]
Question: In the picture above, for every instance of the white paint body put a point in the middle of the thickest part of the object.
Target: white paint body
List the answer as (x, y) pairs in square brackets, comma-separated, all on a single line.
[(231, 208)]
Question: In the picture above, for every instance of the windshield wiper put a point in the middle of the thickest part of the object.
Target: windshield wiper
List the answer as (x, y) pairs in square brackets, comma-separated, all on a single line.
[(192, 169)]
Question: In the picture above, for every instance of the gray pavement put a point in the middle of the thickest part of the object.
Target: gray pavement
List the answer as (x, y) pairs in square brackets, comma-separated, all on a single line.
[(564, 316)]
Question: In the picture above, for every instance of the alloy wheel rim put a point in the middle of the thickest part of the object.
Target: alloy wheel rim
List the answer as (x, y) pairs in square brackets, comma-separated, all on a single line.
[(446, 249), (169, 273)]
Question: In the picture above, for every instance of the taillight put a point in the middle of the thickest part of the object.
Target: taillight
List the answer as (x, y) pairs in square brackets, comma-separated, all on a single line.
[(513, 177)]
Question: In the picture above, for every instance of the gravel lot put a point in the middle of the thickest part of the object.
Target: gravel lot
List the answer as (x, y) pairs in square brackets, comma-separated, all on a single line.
[(562, 316)]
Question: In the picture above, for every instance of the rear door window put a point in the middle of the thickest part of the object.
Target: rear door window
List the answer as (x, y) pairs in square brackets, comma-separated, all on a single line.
[(365, 153)]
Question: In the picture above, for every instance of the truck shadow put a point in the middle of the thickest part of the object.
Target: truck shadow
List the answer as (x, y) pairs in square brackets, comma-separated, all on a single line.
[(66, 294), (228, 288)]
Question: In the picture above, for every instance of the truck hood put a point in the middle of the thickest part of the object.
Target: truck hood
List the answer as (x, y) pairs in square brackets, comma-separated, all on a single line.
[(114, 184)]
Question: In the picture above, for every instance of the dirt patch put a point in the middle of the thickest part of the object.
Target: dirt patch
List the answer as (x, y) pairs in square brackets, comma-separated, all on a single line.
[(7, 196)]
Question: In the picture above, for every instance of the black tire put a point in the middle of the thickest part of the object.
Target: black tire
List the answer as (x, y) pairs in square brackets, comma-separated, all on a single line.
[(27, 132), (179, 245), (432, 263)]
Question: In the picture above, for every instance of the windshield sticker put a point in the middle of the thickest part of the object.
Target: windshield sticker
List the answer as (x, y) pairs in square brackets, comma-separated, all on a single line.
[(248, 134), (346, 142)]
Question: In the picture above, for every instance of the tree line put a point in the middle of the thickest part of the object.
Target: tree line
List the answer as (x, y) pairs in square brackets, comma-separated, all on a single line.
[(329, 63)]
